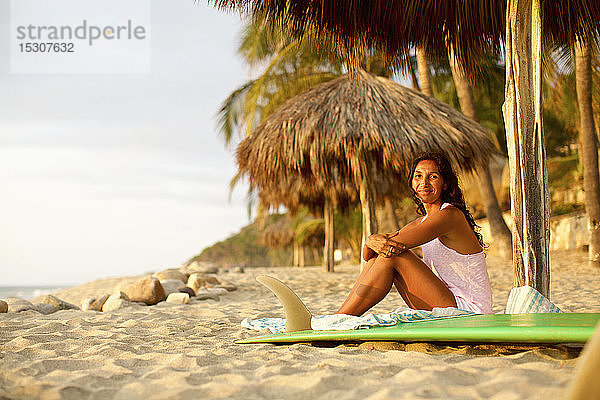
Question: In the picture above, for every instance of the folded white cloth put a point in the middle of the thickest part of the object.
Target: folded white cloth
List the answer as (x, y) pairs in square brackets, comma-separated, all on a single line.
[(527, 300), (334, 322)]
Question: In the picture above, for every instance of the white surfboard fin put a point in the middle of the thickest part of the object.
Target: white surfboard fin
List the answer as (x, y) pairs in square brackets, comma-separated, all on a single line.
[(297, 316)]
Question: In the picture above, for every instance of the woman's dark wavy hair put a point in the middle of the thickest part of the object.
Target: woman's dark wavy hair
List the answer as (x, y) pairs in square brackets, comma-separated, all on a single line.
[(451, 194)]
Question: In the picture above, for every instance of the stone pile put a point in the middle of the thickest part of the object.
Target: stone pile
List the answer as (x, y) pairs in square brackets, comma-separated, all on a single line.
[(46, 305), (182, 285)]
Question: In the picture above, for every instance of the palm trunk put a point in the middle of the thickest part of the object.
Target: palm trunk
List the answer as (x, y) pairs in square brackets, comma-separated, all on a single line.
[(525, 141), (413, 75), (588, 149), (369, 220), (424, 75), (499, 230), (329, 236)]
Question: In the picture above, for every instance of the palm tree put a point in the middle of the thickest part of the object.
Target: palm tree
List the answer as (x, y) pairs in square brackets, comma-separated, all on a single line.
[(573, 95), (499, 230), (589, 145), (291, 66)]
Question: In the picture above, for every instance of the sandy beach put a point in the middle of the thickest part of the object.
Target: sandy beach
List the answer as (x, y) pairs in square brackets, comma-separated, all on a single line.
[(187, 351)]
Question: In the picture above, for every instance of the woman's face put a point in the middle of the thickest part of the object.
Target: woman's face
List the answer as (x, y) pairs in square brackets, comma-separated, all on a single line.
[(427, 182)]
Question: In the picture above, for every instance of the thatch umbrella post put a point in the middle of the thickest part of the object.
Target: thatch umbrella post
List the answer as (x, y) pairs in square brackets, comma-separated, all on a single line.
[(296, 261), (369, 219), (301, 257), (328, 211), (525, 141)]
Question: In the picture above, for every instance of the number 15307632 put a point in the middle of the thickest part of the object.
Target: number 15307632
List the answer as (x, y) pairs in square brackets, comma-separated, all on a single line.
[(47, 47)]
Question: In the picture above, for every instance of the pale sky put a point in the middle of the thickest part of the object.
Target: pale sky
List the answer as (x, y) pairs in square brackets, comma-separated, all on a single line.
[(119, 174)]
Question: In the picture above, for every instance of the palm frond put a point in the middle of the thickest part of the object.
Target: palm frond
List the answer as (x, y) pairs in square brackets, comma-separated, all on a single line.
[(230, 115)]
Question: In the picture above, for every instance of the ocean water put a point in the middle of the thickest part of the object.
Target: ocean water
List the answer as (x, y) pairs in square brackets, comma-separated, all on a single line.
[(27, 292)]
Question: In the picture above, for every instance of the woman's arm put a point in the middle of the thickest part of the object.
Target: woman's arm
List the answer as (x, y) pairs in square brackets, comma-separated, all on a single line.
[(415, 234), (435, 225), (410, 224), (369, 253)]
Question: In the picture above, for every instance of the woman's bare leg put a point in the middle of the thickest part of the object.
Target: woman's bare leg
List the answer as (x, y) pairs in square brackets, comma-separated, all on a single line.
[(403, 290), (365, 270), (421, 288)]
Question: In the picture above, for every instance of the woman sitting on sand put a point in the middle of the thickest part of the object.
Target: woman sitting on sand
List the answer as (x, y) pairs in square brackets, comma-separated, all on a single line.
[(450, 245)]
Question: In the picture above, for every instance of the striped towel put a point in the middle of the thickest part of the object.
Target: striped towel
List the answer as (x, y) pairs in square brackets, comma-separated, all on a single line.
[(334, 322), (527, 300)]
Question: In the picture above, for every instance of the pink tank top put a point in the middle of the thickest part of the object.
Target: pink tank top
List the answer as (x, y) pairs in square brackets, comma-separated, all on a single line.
[(465, 275)]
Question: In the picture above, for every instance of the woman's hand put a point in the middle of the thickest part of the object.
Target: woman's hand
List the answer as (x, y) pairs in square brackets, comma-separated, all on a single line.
[(368, 253), (384, 245), (377, 242)]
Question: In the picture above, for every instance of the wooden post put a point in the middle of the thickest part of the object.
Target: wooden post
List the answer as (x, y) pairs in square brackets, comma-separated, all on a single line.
[(525, 141), (296, 262), (315, 255), (369, 220), (301, 257), (329, 236)]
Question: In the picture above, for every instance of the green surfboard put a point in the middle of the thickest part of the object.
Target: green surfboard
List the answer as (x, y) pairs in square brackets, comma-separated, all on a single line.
[(497, 328)]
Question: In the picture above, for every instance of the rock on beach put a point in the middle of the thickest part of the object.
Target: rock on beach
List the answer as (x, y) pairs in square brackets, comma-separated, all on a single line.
[(171, 274), (178, 298), (93, 304), (45, 308), (19, 305), (188, 290), (198, 281), (146, 290), (171, 286), (87, 303), (3, 306), (204, 294), (99, 303), (116, 301), (58, 303)]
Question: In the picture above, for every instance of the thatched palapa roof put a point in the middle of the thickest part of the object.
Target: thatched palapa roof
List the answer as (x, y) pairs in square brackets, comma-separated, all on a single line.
[(295, 191), (471, 27), (339, 135)]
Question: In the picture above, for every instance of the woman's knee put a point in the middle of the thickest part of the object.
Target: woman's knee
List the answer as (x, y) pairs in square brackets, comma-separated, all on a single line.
[(369, 264), (405, 258), (405, 255)]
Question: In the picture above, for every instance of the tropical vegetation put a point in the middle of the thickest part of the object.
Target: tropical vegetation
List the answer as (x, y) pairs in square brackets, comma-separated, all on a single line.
[(255, 100)]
